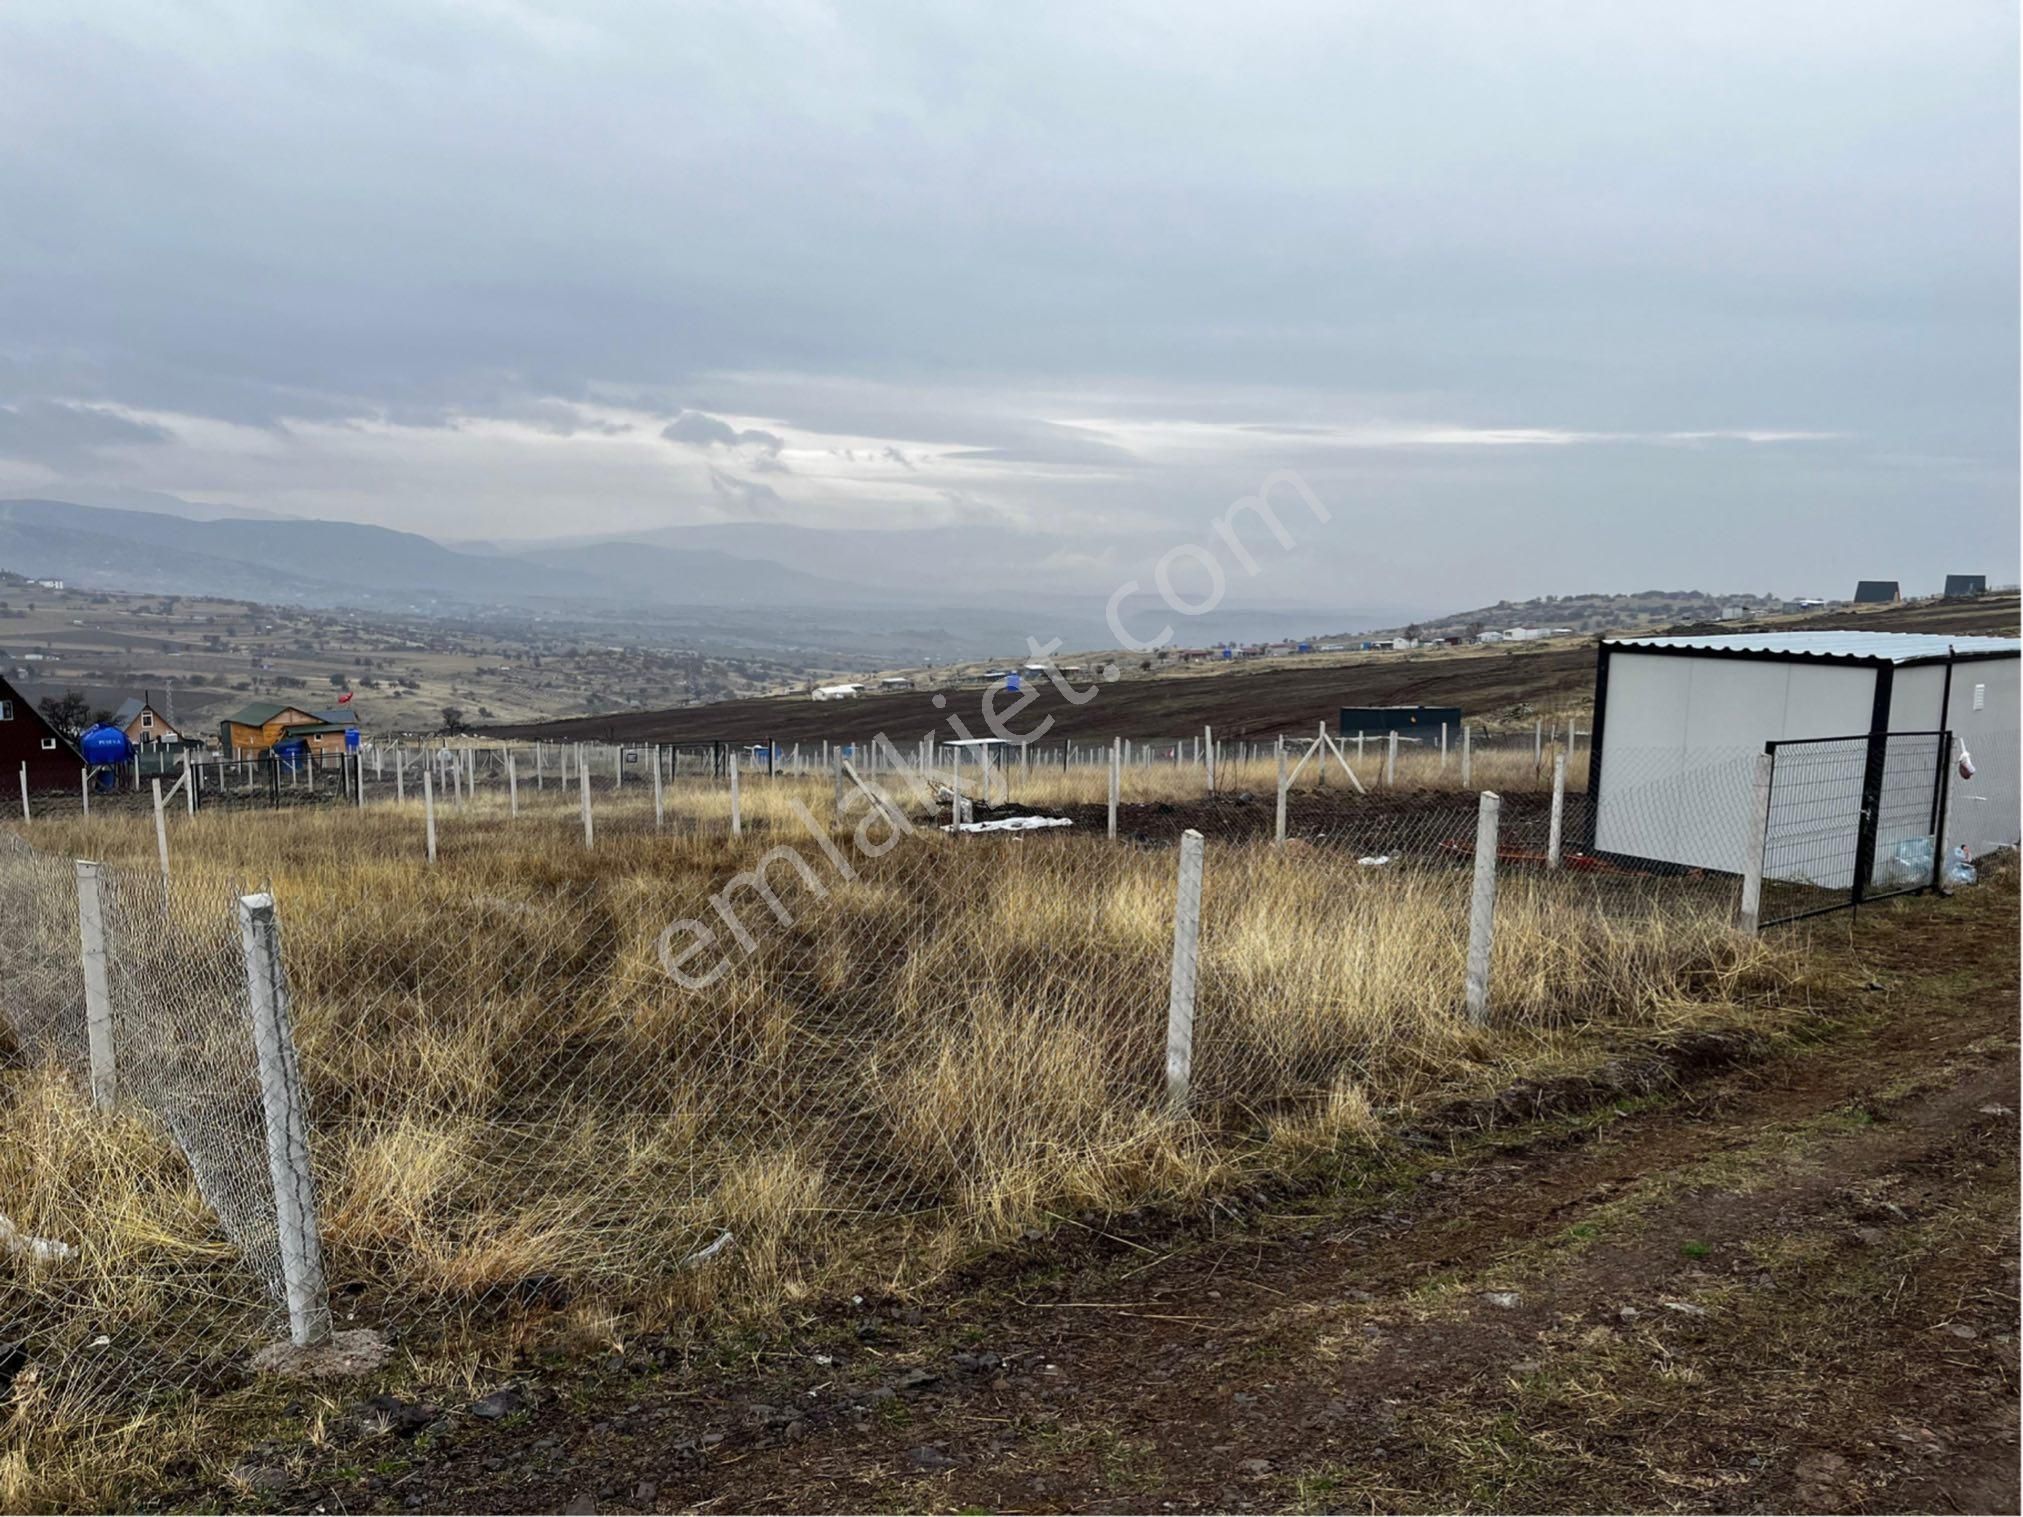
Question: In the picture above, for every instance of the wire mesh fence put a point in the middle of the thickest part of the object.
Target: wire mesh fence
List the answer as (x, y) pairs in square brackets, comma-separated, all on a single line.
[(659, 1062)]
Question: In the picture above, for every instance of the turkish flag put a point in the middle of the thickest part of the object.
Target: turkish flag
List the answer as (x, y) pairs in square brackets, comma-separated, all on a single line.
[(344, 699)]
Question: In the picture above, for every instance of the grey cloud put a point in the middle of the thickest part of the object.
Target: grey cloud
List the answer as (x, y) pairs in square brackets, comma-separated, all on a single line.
[(701, 429), (57, 433), (1723, 218), (755, 500)]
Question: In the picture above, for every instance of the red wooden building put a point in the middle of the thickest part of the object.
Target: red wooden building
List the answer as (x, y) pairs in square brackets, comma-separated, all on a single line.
[(27, 738)]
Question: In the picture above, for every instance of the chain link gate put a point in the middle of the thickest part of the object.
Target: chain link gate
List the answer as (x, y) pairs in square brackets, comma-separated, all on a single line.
[(1852, 819)]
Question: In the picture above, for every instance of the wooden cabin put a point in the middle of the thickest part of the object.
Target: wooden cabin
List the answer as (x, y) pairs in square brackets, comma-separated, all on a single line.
[(253, 730), (143, 724), (27, 739)]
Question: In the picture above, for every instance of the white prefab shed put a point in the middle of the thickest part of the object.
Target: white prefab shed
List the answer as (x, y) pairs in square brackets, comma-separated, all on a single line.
[(1679, 721)]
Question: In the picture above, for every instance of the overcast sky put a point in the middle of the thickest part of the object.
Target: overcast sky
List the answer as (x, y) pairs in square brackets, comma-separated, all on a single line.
[(1539, 297)]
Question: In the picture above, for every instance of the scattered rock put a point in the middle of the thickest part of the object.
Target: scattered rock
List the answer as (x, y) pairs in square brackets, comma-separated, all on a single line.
[(1506, 1300), (1956, 1329), (644, 1492), (914, 1381), (1255, 1467), (1821, 1468), (582, 1504), (499, 1404), (928, 1457), (406, 1418), (266, 1478)]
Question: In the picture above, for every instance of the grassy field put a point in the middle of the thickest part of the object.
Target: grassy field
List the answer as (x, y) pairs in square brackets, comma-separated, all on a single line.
[(522, 1126)]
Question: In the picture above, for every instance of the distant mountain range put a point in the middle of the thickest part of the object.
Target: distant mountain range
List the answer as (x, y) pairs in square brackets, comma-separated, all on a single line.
[(329, 563), (683, 583)]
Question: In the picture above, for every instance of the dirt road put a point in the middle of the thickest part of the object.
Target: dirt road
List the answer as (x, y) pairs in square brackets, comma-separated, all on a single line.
[(1784, 1283)]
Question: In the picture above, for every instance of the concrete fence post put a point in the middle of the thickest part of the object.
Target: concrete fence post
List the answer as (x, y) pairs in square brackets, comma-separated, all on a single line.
[(512, 785), (737, 798), (287, 1121), (400, 774), (161, 833), (1391, 762), (583, 790), (835, 762), (1443, 747), (97, 987), (24, 791), (659, 793), (1278, 834), (428, 807), (618, 767), (1749, 909), (1482, 908), (1186, 954), (540, 781), (1467, 760), (1537, 742), (1208, 755), (1116, 781), (1558, 811), (84, 789)]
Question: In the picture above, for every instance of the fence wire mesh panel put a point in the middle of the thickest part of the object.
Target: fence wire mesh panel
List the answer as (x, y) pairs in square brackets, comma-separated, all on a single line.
[(139, 1240), (1851, 819), (631, 1074)]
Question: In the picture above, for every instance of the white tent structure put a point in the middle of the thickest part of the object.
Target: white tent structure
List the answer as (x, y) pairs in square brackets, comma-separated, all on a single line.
[(1853, 720)]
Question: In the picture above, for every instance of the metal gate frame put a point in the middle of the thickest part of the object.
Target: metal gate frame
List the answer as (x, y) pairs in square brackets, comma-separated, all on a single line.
[(1868, 819)]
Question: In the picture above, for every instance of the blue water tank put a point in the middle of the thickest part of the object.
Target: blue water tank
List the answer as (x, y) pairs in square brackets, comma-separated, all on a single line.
[(1011, 684), (105, 745), (351, 740)]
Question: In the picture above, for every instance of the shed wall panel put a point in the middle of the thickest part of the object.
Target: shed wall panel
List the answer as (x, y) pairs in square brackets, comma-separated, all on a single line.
[(1986, 810), (1674, 769)]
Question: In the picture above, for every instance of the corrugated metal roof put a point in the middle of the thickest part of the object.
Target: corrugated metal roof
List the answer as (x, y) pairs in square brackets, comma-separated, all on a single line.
[(1892, 647)]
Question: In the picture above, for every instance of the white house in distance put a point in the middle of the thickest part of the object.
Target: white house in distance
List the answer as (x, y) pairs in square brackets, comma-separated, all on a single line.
[(1679, 721), (837, 692)]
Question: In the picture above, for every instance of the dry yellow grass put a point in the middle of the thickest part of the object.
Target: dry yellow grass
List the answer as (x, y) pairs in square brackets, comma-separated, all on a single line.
[(514, 1105)]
